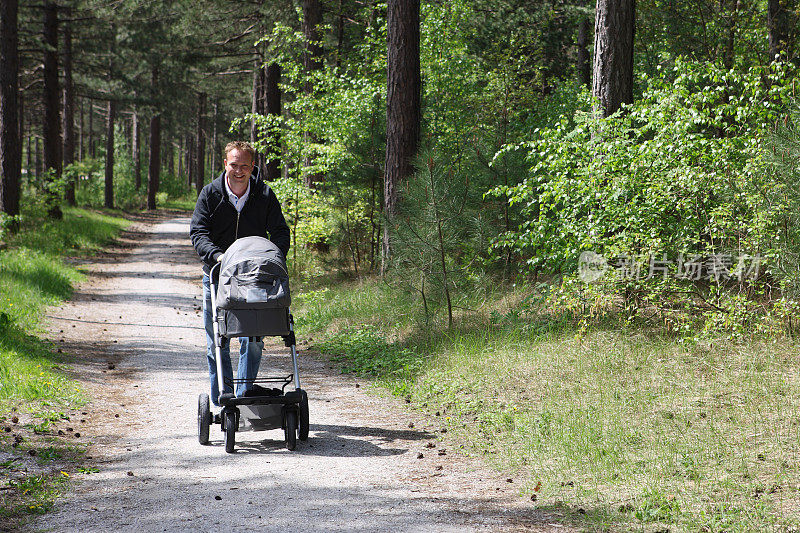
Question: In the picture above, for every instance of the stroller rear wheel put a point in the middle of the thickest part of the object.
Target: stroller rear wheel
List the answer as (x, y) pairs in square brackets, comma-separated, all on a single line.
[(203, 418), (302, 411), (290, 429), (230, 430)]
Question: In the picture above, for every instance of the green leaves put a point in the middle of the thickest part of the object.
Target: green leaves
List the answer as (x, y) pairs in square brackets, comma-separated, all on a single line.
[(679, 172)]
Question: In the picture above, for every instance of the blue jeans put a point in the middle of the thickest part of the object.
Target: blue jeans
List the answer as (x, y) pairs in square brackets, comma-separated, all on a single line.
[(249, 353)]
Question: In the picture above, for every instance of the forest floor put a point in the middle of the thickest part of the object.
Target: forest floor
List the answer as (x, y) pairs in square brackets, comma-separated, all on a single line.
[(133, 333)]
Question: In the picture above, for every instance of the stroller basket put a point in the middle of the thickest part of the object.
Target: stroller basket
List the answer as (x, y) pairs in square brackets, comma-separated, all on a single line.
[(283, 381)]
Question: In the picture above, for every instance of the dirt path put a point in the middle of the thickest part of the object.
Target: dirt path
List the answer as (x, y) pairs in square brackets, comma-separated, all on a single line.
[(136, 328)]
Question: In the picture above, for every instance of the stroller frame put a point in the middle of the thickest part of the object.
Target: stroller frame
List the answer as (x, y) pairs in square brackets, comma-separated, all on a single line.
[(287, 410)]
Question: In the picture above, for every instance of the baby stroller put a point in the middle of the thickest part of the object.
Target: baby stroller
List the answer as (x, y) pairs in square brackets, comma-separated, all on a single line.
[(250, 298)]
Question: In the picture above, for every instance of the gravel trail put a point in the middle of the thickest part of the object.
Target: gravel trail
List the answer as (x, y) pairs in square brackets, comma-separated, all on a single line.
[(136, 328)]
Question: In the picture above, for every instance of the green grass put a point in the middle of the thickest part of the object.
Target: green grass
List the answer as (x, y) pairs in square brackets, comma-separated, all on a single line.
[(34, 274), (31, 495), (638, 430), (180, 204)]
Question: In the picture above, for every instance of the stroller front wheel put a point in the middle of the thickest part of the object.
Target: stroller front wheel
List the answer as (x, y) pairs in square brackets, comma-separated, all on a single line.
[(203, 418), (230, 430)]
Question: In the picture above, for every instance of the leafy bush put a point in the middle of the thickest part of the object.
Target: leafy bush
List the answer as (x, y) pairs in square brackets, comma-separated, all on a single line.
[(364, 350), (675, 181)]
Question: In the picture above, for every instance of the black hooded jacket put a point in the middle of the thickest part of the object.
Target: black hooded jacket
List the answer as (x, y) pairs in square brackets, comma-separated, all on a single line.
[(216, 224)]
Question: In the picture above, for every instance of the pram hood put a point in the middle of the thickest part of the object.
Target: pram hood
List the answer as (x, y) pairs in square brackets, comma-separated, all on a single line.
[(253, 275)]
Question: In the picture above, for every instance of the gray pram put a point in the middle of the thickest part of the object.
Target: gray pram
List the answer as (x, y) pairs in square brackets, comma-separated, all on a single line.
[(250, 298)]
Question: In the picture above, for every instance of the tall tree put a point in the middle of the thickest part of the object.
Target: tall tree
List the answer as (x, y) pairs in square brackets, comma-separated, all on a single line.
[(51, 125), (272, 93), (614, 26), (80, 131), (135, 150), (69, 109), (779, 24), (111, 116), (312, 18), (90, 140), (312, 60), (154, 166), (729, 15), (10, 135), (584, 64), (257, 106), (200, 163), (403, 113), (213, 141)]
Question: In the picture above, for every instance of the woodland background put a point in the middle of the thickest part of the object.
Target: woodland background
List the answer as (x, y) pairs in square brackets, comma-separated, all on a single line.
[(506, 145), (568, 228)]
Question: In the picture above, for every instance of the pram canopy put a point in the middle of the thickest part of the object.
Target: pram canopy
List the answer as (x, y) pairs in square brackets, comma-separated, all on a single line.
[(253, 289), (253, 275)]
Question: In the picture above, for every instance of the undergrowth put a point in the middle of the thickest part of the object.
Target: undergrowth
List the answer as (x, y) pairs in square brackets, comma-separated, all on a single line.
[(636, 426), (35, 274)]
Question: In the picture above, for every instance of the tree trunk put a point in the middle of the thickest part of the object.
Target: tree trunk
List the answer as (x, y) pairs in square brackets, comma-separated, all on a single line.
[(312, 61), (340, 36), (584, 66), (171, 159), (135, 151), (23, 137), (729, 12), (200, 158), (614, 27), (312, 18), (90, 148), (273, 107), (403, 105), (780, 27), (51, 125), (180, 157), (190, 167), (80, 133), (37, 159), (257, 107), (10, 138), (30, 170), (214, 141), (154, 167), (69, 111), (109, 176), (254, 97)]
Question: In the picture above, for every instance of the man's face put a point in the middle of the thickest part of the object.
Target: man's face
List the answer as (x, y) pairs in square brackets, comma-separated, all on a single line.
[(238, 167)]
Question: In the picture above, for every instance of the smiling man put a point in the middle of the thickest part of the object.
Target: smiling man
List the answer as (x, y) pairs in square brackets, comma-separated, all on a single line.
[(232, 206)]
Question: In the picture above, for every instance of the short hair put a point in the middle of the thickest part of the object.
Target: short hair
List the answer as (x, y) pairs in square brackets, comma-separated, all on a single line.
[(242, 146)]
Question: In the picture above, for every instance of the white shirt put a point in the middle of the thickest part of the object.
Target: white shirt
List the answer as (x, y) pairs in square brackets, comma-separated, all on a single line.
[(237, 201)]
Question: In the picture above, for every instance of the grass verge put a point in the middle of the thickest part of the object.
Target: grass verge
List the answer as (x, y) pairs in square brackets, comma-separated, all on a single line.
[(34, 392), (617, 428)]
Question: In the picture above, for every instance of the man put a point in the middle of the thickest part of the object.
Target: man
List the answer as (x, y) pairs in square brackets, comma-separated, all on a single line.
[(232, 206)]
